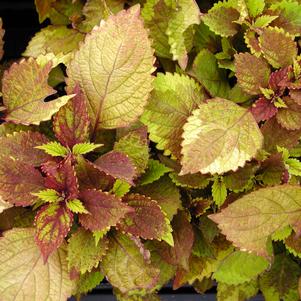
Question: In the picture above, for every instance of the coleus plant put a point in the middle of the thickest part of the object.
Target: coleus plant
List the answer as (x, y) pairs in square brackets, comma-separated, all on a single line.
[(153, 143)]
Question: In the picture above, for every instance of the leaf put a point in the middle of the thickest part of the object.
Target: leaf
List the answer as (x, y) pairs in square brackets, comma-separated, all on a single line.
[(24, 104), (206, 70), (76, 206), (23, 274), (220, 19), (117, 165), (240, 267), (21, 146), (53, 39), (2, 32), (264, 20), (83, 253), (294, 167), (147, 220), (71, 122), (154, 172), (293, 244), (173, 99), (263, 109), (290, 117), (84, 148), (250, 220), (4, 206), (113, 68), (219, 191), (135, 146), (255, 7), (18, 181), (132, 270), (252, 73), (219, 142), (53, 223), (88, 282), (106, 210), (47, 195), (121, 188), (54, 149)]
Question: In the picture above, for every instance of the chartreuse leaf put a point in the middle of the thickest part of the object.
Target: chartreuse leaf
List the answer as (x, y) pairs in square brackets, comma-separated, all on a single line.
[(84, 148), (24, 275), (76, 206), (25, 101), (53, 222), (255, 7), (294, 166), (132, 271), (240, 267), (54, 149), (173, 99), (219, 191), (48, 195), (121, 188), (251, 220), (214, 79), (113, 68), (220, 18), (82, 252), (220, 136), (252, 73), (88, 282), (278, 47)]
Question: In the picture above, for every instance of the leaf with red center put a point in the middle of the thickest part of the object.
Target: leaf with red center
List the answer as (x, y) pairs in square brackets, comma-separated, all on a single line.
[(117, 165), (147, 220), (61, 177), (18, 180), (53, 222), (24, 101), (263, 109), (21, 146), (71, 123), (106, 210)]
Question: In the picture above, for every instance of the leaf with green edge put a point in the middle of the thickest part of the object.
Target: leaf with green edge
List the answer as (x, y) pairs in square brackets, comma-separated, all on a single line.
[(121, 188), (106, 210), (251, 40), (53, 223), (290, 117), (53, 39), (117, 165), (173, 99), (252, 219), (71, 123), (219, 191), (82, 252), (293, 244), (87, 282), (21, 146), (10, 128), (54, 149), (23, 274), (2, 32), (76, 206), (117, 91), (207, 72), (24, 104), (47, 195), (240, 267), (294, 166), (278, 47), (155, 170), (147, 220), (84, 148), (252, 73), (135, 146), (165, 193), (220, 19), (255, 7), (194, 181), (18, 180), (220, 136)]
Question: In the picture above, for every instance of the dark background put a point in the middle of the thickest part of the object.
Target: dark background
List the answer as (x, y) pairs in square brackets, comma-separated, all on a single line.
[(20, 22)]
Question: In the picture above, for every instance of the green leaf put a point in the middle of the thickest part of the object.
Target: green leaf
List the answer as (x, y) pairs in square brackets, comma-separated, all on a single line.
[(240, 267), (214, 79), (252, 73), (121, 188), (219, 191), (173, 99), (294, 167), (76, 206), (278, 47), (132, 271), (264, 20), (24, 103), (251, 220), (47, 195), (88, 282), (113, 68), (24, 275), (154, 172), (255, 7), (220, 136), (54, 149), (84, 148), (82, 252)]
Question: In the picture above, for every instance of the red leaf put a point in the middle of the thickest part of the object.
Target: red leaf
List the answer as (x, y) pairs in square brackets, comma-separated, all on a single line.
[(117, 165), (53, 222), (18, 180), (61, 177), (71, 123), (263, 109), (105, 209), (279, 80)]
